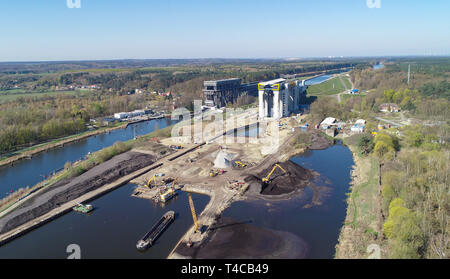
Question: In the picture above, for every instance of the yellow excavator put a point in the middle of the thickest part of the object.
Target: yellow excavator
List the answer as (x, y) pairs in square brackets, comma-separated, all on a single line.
[(215, 172), (266, 179), (194, 215), (240, 164)]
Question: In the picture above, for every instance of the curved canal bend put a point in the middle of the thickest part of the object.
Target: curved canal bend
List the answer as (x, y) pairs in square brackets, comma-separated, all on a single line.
[(319, 225)]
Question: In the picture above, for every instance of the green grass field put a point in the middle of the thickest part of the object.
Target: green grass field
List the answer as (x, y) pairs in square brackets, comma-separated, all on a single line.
[(347, 82), (11, 95), (12, 91), (346, 97), (329, 87)]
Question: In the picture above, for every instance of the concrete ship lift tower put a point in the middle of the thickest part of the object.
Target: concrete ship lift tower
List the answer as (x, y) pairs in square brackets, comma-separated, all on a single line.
[(279, 98)]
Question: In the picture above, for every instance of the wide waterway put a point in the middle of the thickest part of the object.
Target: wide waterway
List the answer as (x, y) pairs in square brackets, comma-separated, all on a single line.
[(30, 172), (110, 231), (318, 80), (318, 225)]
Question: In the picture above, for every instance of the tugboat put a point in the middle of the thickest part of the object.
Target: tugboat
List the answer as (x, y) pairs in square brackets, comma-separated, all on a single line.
[(83, 208), (150, 237)]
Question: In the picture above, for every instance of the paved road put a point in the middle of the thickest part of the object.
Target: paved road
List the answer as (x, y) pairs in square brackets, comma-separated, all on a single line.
[(338, 96), (390, 122)]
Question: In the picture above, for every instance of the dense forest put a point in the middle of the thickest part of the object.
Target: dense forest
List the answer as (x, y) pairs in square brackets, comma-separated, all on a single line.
[(31, 121)]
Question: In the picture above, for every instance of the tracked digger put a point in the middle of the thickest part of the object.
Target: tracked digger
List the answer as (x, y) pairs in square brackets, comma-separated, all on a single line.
[(266, 179)]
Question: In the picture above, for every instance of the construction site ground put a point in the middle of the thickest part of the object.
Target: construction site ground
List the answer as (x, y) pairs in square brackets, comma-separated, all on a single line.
[(193, 172)]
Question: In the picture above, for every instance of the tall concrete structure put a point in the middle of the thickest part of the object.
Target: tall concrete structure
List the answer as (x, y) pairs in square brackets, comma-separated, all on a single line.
[(279, 98), (220, 92)]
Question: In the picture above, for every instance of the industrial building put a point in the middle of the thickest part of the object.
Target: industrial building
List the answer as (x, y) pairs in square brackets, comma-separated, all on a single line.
[(218, 93), (279, 98)]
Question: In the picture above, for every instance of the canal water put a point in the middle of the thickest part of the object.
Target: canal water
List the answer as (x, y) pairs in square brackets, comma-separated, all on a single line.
[(110, 231), (318, 225), (318, 80), (378, 66), (30, 172)]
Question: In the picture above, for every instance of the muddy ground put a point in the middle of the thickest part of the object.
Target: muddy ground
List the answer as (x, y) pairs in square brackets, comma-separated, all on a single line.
[(70, 189), (318, 141), (242, 240), (295, 178)]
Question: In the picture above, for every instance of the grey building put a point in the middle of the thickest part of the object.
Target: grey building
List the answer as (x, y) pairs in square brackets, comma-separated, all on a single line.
[(221, 92)]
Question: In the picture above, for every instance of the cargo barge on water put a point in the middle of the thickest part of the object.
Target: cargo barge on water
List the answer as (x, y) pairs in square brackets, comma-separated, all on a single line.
[(150, 237)]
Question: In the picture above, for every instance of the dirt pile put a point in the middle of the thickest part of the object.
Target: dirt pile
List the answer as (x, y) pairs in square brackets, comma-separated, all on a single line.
[(233, 240), (70, 189), (319, 141), (280, 182)]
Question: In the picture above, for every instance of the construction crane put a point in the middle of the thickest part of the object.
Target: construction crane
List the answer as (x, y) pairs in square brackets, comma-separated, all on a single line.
[(194, 215), (266, 179), (150, 180)]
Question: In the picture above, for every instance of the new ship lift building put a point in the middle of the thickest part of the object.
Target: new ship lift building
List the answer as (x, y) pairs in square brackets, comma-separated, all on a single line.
[(219, 93), (279, 98)]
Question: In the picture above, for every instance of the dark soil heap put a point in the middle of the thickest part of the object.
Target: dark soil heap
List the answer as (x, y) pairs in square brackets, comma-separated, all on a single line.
[(319, 141), (230, 239), (295, 178), (70, 189)]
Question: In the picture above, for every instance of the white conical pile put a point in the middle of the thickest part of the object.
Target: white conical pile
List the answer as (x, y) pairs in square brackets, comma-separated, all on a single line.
[(223, 160)]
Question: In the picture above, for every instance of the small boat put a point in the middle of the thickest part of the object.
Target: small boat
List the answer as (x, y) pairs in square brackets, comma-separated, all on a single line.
[(83, 208)]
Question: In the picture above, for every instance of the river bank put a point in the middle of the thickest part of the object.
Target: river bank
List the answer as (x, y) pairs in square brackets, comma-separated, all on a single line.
[(298, 213), (363, 222), (29, 152)]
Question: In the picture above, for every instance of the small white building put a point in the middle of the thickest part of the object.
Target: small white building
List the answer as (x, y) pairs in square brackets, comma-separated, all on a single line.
[(121, 115), (359, 126), (328, 122)]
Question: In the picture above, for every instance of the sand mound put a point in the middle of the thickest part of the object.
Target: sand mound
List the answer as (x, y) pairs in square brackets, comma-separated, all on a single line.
[(223, 160)]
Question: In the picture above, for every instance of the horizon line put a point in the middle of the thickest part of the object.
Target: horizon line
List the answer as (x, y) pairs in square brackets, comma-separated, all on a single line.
[(225, 58)]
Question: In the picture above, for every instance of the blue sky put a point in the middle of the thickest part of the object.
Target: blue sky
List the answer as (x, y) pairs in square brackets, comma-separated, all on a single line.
[(37, 30)]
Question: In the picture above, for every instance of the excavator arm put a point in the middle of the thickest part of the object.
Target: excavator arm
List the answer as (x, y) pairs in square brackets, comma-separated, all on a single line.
[(150, 180), (266, 179)]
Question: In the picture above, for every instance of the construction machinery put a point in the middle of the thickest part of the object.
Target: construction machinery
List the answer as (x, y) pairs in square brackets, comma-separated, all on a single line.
[(150, 181), (215, 172), (169, 193), (194, 215), (239, 164), (267, 179)]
